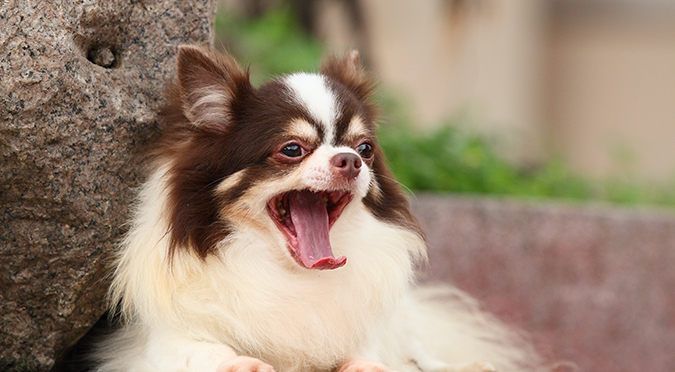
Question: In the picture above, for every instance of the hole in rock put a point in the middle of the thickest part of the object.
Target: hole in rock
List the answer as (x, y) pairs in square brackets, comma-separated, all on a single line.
[(104, 56)]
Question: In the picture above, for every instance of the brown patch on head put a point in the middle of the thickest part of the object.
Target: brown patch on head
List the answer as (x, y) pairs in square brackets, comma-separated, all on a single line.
[(349, 72)]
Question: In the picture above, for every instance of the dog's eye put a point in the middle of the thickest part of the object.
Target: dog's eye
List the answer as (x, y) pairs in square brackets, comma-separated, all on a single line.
[(292, 150), (365, 150)]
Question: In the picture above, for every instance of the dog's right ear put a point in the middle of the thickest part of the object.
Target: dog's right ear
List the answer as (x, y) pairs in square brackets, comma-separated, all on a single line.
[(208, 83), (349, 71)]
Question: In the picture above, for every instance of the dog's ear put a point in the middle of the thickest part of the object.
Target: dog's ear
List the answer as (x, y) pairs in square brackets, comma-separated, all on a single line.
[(349, 71), (208, 83)]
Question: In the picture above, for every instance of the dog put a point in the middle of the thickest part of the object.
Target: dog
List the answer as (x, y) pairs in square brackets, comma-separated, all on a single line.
[(271, 236)]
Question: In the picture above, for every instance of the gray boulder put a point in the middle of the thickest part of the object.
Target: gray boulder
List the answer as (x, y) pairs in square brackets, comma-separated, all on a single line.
[(80, 81)]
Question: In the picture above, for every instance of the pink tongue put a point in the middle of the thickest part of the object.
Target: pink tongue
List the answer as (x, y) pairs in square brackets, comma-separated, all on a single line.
[(310, 220)]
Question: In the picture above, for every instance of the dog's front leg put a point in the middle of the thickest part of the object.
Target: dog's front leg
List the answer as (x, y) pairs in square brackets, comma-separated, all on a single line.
[(244, 364), (170, 353), (362, 365), (472, 367)]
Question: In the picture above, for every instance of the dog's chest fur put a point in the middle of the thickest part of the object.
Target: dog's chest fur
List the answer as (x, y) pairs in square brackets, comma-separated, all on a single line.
[(305, 319)]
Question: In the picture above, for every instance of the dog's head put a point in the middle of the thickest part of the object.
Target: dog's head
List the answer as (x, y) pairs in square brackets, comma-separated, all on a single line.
[(283, 159)]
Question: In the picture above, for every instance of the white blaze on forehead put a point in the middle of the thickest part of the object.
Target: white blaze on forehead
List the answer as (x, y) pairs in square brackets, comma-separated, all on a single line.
[(312, 92)]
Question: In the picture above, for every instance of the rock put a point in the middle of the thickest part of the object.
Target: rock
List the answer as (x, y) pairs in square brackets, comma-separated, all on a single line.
[(80, 81)]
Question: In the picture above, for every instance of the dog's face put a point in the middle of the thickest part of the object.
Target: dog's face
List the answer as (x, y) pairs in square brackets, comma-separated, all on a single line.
[(284, 159)]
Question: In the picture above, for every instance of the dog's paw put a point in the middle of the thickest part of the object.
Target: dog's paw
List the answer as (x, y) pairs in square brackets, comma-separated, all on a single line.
[(245, 364), (476, 367), (363, 366)]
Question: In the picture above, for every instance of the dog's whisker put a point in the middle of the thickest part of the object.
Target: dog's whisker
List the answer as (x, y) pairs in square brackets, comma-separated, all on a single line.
[(410, 191)]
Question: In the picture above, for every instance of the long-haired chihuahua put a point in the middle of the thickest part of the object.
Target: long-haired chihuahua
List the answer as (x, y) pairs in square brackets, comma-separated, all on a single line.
[(270, 236)]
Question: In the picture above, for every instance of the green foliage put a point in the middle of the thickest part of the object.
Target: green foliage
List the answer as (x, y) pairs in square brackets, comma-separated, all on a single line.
[(273, 44), (453, 160)]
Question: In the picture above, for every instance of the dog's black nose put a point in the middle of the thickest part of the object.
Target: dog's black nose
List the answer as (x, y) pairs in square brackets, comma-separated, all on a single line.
[(347, 163)]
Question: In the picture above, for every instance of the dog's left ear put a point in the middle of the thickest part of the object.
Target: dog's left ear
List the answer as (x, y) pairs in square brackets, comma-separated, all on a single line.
[(208, 83), (349, 71)]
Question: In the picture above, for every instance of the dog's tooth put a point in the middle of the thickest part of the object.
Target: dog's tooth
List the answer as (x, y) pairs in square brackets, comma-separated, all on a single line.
[(280, 208)]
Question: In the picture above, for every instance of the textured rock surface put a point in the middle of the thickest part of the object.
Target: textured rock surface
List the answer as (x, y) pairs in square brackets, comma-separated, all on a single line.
[(594, 285), (79, 81)]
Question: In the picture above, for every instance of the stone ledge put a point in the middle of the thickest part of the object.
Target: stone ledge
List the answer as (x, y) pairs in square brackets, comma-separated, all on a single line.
[(592, 284)]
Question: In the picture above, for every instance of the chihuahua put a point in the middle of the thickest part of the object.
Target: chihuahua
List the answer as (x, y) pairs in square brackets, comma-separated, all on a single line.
[(271, 236)]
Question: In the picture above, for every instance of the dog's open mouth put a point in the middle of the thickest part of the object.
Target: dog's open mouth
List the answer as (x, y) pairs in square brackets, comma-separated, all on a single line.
[(305, 217)]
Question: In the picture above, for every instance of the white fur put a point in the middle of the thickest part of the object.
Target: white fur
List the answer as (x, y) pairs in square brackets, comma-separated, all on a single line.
[(311, 91)]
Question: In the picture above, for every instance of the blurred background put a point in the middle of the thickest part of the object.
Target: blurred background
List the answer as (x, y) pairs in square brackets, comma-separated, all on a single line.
[(572, 99)]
